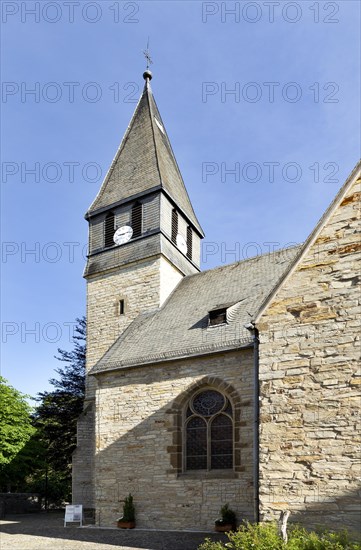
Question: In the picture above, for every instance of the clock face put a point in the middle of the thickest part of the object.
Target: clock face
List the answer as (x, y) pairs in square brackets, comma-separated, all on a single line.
[(182, 245), (123, 234)]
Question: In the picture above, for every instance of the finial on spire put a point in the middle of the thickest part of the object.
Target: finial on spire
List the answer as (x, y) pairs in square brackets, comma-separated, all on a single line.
[(147, 74)]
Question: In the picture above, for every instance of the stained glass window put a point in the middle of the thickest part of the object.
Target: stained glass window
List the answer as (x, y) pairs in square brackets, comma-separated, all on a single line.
[(221, 442), (196, 444), (209, 432), (208, 402)]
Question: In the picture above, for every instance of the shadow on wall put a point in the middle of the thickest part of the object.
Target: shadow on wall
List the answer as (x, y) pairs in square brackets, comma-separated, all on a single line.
[(146, 460)]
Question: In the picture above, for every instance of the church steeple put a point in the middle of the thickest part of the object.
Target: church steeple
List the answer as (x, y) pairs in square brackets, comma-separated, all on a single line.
[(143, 198), (144, 162), (144, 237), (143, 233)]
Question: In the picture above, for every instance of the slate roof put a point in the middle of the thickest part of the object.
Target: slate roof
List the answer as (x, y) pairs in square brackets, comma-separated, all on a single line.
[(180, 327), (144, 161)]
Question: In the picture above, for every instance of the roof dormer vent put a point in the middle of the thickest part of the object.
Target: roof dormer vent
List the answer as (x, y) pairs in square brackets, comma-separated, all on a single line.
[(218, 317)]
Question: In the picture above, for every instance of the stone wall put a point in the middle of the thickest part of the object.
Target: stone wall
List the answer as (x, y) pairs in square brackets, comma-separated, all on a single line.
[(143, 286), (139, 443), (19, 503), (310, 380), (83, 459)]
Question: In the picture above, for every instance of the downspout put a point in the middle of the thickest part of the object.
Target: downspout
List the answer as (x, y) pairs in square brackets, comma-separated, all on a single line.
[(252, 328), (256, 425)]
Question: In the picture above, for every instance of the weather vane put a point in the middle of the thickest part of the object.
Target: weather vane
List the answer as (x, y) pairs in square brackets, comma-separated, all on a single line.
[(147, 55)]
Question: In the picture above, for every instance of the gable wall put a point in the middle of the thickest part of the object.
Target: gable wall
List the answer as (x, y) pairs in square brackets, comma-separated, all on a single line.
[(137, 443), (310, 381)]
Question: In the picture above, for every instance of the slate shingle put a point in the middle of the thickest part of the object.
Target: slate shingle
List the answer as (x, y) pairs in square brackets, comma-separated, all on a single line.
[(144, 160), (180, 327)]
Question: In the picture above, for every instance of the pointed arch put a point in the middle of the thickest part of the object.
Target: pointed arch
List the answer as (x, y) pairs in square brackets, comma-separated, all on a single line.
[(223, 432)]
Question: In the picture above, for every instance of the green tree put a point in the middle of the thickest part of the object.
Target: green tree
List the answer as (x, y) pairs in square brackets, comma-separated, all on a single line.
[(58, 411), (15, 422), (36, 450), (29, 461), (16, 432)]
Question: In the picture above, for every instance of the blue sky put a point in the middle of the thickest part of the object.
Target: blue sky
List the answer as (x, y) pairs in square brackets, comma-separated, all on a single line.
[(289, 132)]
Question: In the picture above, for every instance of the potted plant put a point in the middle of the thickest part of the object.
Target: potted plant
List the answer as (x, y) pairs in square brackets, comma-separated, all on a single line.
[(127, 521), (227, 521)]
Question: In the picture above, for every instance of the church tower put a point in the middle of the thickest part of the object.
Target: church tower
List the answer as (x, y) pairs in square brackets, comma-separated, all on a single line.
[(143, 238), (143, 233)]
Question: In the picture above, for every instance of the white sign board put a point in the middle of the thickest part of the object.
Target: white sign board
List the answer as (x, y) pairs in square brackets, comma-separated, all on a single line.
[(73, 514)]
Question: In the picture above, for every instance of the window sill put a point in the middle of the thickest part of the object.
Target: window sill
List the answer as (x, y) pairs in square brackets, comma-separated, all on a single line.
[(211, 474)]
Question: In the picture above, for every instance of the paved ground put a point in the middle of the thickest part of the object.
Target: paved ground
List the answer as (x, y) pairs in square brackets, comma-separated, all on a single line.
[(46, 532)]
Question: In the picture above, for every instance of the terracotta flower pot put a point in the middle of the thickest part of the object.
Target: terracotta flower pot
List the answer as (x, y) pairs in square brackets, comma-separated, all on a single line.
[(126, 524)]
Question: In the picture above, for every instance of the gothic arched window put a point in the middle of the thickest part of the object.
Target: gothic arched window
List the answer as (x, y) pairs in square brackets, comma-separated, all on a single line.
[(137, 215), (109, 229), (208, 429)]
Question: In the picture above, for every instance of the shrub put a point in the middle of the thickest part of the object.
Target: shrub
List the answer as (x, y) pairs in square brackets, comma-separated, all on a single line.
[(301, 539), (265, 536), (128, 509), (228, 516)]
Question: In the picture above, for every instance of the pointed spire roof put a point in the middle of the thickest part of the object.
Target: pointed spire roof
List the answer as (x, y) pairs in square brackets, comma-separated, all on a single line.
[(144, 162)]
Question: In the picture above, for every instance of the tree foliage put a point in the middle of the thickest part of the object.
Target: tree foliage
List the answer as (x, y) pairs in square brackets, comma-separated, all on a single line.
[(58, 411), (15, 422), (36, 450), (31, 459)]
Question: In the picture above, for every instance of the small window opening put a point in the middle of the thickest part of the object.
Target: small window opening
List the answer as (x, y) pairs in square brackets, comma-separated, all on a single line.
[(137, 215), (109, 229), (189, 242), (217, 317), (174, 225), (121, 307)]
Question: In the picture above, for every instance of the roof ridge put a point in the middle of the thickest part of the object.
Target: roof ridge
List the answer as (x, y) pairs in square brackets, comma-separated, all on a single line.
[(148, 89), (176, 167), (187, 277)]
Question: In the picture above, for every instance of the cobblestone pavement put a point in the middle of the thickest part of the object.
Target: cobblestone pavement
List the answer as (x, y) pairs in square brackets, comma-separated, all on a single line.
[(47, 532)]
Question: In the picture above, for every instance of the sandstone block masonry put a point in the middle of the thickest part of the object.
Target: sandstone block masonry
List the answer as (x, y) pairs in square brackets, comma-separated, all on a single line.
[(143, 286), (310, 380), (139, 443)]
